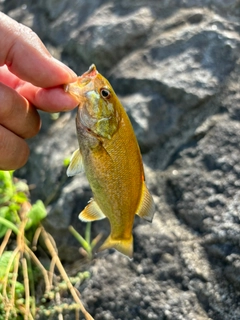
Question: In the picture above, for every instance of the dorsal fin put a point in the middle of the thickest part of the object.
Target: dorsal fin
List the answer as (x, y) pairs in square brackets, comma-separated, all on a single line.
[(146, 207)]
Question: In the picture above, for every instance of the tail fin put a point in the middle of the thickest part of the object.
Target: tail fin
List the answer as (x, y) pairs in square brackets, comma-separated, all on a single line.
[(125, 246)]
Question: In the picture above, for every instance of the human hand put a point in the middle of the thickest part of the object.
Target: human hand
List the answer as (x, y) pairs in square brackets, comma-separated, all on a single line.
[(30, 78)]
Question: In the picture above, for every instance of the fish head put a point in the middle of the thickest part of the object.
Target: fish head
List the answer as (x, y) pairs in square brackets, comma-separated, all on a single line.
[(97, 110)]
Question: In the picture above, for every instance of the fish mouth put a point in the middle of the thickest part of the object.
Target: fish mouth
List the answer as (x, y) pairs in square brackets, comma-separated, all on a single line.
[(77, 89), (91, 72), (84, 83), (81, 90)]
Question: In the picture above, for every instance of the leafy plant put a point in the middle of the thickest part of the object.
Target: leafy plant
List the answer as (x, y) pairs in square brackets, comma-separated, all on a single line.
[(86, 243), (20, 228)]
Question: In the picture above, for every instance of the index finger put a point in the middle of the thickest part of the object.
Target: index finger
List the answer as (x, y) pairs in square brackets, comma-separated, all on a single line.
[(26, 56)]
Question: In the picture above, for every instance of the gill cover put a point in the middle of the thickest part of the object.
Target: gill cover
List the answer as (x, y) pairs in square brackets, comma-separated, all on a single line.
[(98, 114)]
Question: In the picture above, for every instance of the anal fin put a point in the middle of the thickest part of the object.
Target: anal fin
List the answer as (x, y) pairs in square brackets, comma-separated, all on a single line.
[(76, 164), (91, 212), (146, 207)]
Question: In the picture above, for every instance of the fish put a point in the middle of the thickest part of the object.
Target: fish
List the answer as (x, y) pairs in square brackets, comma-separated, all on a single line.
[(110, 156)]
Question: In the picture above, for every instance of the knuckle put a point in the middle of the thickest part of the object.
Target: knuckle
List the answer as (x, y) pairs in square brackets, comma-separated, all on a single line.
[(14, 150), (7, 97), (17, 114), (32, 122), (27, 33)]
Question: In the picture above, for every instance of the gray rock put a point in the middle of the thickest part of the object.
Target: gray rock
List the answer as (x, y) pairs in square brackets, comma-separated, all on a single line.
[(105, 41), (175, 66)]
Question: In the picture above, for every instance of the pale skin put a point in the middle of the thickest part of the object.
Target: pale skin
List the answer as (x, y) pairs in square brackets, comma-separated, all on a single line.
[(30, 79)]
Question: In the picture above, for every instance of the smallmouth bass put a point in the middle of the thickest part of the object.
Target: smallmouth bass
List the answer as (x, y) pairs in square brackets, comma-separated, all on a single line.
[(110, 156)]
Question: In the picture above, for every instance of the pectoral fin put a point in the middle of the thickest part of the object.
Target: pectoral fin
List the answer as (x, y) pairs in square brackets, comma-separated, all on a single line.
[(91, 212), (76, 164), (146, 207)]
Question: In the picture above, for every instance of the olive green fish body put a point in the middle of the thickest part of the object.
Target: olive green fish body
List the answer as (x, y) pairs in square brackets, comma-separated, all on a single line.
[(110, 156), (108, 170)]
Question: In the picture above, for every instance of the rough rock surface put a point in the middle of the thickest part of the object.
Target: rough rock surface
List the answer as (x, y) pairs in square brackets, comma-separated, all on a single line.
[(176, 67)]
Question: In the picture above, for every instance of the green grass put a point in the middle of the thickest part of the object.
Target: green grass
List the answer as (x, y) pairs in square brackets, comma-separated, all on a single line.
[(21, 270)]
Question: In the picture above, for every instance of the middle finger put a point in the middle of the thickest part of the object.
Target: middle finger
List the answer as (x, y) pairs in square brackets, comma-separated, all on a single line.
[(17, 114)]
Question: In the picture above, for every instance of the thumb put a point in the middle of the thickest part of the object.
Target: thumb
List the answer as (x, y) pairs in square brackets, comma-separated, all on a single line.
[(26, 56)]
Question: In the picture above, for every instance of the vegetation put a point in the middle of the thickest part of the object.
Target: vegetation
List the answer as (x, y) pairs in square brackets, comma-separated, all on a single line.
[(21, 269)]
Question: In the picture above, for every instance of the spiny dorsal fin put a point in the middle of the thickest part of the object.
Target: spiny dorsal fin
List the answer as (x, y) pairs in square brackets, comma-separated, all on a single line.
[(146, 207), (91, 212), (76, 164)]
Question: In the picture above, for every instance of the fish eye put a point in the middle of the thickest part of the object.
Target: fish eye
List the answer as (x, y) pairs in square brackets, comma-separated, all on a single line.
[(105, 93)]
